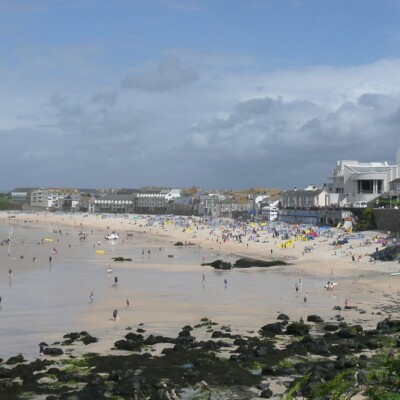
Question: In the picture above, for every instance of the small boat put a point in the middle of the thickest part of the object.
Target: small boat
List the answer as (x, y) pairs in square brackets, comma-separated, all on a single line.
[(395, 273)]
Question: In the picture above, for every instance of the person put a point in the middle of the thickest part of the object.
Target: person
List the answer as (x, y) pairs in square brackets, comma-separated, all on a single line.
[(41, 350), (305, 297), (301, 320), (50, 259), (361, 378), (296, 287), (203, 278), (10, 273), (115, 314), (91, 296), (346, 303), (226, 282), (109, 270), (127, 303), (116, 281)]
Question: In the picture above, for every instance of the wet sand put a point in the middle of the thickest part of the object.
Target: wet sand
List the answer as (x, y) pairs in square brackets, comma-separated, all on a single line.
[(44, 300)]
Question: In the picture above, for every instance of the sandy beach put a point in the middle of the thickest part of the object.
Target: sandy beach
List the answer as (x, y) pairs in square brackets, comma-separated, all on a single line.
[(44, 299)]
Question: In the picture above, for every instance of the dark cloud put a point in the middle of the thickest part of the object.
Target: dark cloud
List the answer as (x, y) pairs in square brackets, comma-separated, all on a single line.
[(294, 141), (170, 74)]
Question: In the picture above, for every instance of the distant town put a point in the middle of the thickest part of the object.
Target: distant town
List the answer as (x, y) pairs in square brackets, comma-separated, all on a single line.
[(351, 185)]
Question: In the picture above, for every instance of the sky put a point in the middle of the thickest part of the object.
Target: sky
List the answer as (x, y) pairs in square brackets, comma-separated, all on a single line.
[(227, 94)]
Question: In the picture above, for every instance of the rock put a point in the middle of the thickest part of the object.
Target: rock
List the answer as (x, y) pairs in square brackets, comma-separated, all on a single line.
[(283, 317), (298, 329), (314, 318), (127, 345), (15, 359), (330, 327), (53, 351), (219, 264), (267, 370), (87, 339), (272, 329), (266, 393)]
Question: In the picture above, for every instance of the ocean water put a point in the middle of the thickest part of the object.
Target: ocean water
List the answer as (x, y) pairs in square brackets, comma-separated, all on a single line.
[(44, 300)]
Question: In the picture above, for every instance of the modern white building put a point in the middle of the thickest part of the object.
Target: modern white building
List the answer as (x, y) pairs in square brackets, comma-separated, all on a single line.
[(354, 181)]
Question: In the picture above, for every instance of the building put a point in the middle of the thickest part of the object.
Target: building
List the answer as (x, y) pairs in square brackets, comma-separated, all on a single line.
[(307, 198), (51, 198), (21, 195), (113, 203), (156, 201), (354, 181)]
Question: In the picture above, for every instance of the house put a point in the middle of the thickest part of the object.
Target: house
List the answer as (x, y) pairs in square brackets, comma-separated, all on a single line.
[(307, 198)]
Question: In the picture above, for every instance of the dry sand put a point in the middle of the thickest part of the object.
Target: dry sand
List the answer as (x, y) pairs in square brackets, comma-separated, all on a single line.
[(44, 300)]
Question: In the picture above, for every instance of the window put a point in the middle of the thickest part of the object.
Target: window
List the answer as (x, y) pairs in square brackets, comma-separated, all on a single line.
[(365, 187)]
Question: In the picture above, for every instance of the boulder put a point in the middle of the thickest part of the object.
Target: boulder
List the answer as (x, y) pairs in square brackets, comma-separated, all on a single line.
[(283, 317), (314, 318), (272, 329), (53, 351), (298, 329), (15, 359)]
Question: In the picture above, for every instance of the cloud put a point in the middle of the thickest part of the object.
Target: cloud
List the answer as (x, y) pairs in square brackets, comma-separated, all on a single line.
[(223, 133), (170, 74), (280, 141), (106, 99)]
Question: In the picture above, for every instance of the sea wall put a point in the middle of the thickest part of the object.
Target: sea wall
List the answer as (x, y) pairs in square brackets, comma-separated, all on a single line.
[(387, 219)]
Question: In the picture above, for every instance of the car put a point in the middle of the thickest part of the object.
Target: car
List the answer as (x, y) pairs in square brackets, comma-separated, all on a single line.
[(112, 236), (360, 204)]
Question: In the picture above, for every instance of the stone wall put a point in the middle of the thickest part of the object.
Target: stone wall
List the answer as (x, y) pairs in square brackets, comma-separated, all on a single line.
[(387, 219)]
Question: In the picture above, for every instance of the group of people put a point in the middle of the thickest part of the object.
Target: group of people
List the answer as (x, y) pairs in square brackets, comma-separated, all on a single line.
[(115, 312)]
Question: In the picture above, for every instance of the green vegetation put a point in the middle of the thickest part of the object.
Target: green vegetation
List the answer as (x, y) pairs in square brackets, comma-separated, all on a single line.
[(383, 381), (6, 204), (366, 220)]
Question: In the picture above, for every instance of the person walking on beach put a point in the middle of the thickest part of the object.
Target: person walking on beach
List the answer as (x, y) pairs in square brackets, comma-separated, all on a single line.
[(203, 279), (296, 286), (127, 303), (305, 298), (115, 314), (116, 281), (10, 273), (91, 297)]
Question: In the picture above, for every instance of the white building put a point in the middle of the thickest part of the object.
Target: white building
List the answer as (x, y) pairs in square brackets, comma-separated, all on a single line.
[(354, 181), (156, 202)]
